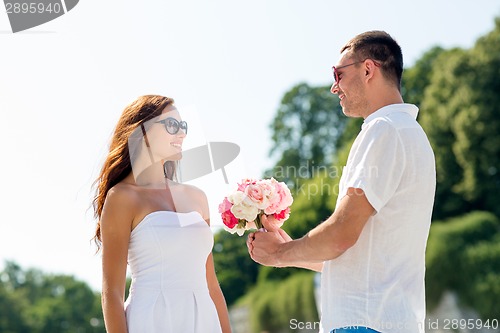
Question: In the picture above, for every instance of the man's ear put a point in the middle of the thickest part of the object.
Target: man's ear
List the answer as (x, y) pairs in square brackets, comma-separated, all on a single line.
[(369, 68)]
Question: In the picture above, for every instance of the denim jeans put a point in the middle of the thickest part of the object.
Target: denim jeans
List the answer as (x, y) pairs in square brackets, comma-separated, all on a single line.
[(354, 329)]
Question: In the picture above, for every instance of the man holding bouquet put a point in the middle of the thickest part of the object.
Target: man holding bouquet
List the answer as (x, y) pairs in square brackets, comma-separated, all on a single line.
[(371, 250)]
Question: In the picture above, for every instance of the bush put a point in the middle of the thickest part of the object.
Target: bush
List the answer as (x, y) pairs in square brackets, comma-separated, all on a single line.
[(463, 254), (481, 283), (273, 304)]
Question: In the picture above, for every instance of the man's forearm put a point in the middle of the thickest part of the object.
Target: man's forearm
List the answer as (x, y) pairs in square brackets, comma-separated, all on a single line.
[(331, 238), (309, 251)]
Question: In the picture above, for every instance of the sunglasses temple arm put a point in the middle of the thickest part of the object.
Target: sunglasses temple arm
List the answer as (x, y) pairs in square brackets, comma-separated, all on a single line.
[(147, 144)]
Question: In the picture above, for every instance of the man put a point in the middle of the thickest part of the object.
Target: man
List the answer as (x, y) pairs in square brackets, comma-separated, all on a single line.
[(371, 250)]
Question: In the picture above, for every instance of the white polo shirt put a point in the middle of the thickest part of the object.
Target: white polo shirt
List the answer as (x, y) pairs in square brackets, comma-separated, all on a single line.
[(379, 282)]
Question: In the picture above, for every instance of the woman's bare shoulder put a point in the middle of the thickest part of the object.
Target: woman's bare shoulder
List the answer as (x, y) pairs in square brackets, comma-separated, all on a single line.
[(199, 200), (123, 193), (123, 199), (194, 191)]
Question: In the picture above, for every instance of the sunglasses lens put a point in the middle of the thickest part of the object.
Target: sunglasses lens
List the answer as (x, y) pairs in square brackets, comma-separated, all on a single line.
[(335, 76), (172, 126)]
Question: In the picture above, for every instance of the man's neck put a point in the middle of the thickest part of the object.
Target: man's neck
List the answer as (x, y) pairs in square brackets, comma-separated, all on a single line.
[(384, 98)]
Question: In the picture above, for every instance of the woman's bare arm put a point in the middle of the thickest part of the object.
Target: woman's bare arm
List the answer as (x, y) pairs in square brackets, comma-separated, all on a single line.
[(116, 224)]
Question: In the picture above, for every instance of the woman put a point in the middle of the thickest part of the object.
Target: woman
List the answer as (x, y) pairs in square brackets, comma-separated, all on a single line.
[(156, 225)]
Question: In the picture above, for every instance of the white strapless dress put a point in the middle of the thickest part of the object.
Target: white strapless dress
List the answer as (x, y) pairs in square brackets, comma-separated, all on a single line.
[(169, 293)]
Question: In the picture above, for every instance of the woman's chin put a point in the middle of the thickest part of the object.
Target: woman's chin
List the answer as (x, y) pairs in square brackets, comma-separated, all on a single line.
[(174, 156)]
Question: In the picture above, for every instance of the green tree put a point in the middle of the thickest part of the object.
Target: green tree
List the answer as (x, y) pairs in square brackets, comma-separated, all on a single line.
[(38, 302), (460, 115), (463, 255), (236, 271), (11, 309), (416, 78), (275, 304), (314, 201), (305, 131), (442, 103), (51, 312)]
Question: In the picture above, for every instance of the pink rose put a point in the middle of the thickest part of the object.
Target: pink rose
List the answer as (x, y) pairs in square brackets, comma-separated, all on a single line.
[(281, 198), (283, 215), (227, 216), (274, 198), (229, 220), (244, 183), (255, 193)]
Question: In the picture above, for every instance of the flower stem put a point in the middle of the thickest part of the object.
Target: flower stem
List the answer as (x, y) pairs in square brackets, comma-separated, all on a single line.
[(258, 222)]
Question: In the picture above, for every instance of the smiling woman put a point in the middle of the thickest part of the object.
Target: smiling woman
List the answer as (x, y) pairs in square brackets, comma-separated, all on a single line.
[(147, 220)]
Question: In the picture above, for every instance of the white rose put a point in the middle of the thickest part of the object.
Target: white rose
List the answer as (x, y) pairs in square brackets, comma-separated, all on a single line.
[(236, 198), (245, 211), (239, 231)]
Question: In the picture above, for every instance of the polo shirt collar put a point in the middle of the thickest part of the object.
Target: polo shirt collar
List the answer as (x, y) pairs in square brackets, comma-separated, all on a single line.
[(410, 109)]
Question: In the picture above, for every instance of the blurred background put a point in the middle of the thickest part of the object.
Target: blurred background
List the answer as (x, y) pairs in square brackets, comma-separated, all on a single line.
[(256, 74)]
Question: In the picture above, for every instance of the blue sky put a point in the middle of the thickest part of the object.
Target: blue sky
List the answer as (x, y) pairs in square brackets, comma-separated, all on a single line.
[(227, 64)]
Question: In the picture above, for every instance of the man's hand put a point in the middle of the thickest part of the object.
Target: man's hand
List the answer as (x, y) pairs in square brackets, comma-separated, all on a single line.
[(270, 223), (264, 246)]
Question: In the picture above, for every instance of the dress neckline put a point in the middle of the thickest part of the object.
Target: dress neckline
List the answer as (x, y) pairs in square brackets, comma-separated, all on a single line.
[(147, 216)]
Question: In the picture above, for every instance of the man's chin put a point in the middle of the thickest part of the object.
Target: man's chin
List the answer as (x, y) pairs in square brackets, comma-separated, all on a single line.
[(346, 112)]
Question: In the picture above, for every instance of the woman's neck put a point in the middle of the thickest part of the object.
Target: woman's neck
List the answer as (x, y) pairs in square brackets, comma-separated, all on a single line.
[(152, 176)]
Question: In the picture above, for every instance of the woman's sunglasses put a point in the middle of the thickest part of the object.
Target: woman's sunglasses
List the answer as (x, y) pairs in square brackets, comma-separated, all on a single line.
[(172, 125)]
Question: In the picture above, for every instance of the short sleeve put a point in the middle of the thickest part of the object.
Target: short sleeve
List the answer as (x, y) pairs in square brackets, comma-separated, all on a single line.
[(376, 163)]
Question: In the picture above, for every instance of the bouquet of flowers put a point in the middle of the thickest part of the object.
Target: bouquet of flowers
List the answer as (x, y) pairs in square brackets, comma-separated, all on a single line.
[(242, 209)]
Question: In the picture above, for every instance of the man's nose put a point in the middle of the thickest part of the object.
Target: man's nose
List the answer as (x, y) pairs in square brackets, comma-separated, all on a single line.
[(335, 88)]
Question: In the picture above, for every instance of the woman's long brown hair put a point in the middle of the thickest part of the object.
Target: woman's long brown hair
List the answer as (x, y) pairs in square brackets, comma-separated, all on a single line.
[(118, 164)]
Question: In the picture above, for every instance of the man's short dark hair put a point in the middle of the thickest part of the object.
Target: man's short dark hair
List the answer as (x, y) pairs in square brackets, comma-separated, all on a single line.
[(380, 47)]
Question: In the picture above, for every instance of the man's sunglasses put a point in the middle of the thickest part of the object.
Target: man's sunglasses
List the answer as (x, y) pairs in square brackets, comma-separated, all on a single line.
[(172, 125), (336, 76)]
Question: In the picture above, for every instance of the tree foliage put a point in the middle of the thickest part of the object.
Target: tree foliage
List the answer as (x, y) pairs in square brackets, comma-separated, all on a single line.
[(418, 77), (275, 304), (305, 131), (460, 115), (236, 271), (463, 255), (34, 302)]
